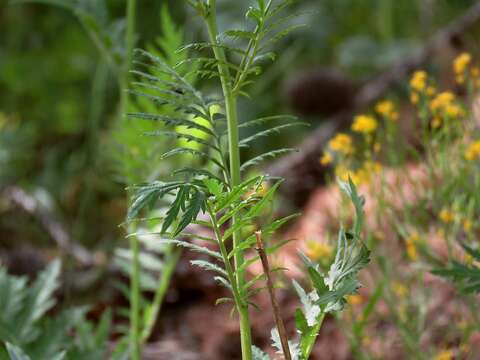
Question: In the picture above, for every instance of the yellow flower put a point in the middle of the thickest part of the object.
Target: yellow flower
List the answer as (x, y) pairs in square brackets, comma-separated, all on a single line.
[(411, 246), (418, 81), (467, 225), (444, 355), (377, 147), (446, 216), (453, 110), (260, 191), (399, 289), (468, 259), (475, 71), (326, 159), (414, 98), (372, 167), (461, 62), (355, 299), (318, 250), (442, 100), (364, 124), (473, 151), (360, 176), (341, 143), (412, 251), (387, 109), (460, 79), (436, 122), (343, 172)]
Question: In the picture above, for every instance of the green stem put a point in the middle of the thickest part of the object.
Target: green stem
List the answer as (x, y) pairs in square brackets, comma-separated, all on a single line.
[(172, 256), (311, 342), (135, 300), (135, 340), (129, 44), (234, 157)]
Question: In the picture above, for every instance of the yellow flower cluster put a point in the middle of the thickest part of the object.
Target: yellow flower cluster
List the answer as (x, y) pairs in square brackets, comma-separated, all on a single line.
[(444, 355), (360, 176), (446, 216), (467, 225), (460, 64), (399, 289), (386, 109), (341, 143), (411, 246), (473, 151), (318, 250), (418, 82), (364, 124), (355, 299), (445, 102), (418, 85), (326, 159)]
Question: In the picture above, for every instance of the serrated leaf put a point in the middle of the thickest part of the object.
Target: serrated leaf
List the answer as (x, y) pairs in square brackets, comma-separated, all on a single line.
[(146, 195), (242, 34), (40, 298), (206, 265), (174, 209), (270, 131), (310, 308), (194, 247), (262, 157), (263, 120), (196, 203)]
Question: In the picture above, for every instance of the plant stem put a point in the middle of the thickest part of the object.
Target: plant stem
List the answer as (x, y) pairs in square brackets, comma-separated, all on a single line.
[(129, 44), (135, 300), (172, 256), (234, 157), (135, 341), (318, 325), (282, 333)]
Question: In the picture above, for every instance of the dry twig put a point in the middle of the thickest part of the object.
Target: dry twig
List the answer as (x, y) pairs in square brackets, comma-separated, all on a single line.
[(276, 308)]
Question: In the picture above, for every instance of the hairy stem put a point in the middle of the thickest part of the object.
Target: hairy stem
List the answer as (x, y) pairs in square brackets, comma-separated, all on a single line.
[(282, 332), (234, 157)]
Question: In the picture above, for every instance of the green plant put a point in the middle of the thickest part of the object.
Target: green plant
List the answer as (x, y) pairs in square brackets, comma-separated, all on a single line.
[(465, 276), (232, 205), (28, 333)]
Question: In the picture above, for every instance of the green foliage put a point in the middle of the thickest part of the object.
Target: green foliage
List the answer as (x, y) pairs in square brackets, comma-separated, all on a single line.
[(331, 289), (27, 331), (216, 190), (139, 160), (93, 15), (465, 276)]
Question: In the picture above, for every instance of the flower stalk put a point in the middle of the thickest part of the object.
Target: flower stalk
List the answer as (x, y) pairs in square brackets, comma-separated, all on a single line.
[(234, 158)]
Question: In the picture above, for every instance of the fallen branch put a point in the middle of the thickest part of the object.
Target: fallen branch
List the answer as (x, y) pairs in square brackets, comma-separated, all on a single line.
[(302, 170)]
